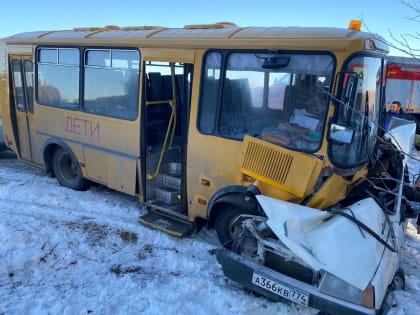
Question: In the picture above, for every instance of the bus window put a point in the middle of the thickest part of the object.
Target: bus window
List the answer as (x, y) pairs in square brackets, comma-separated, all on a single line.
[(28, 68), (58, 77), (251, 98), (162, 92), (111, 81), (277, 86), (17, 77), (209, 93), (361, 114)]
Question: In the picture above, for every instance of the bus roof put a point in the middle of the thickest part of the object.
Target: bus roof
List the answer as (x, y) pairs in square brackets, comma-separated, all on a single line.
[(198, 36)]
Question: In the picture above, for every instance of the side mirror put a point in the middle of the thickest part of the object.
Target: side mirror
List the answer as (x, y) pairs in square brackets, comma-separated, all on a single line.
[(342, 134)]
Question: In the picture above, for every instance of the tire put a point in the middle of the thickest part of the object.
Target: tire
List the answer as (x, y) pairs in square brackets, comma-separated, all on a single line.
[(398, 282), (67, 170), (227, 225)]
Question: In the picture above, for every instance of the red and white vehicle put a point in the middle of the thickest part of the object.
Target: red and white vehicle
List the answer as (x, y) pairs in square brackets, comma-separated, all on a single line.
[(403, 83)]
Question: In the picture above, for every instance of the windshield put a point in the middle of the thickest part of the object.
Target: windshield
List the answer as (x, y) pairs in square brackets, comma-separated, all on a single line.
[(279, 97), (358, 110)]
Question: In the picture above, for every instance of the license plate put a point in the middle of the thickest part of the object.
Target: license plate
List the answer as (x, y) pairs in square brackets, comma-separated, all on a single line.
[(282, 290)]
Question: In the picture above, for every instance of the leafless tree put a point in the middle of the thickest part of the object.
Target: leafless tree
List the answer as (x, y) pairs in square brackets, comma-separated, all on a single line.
[(404, 42), (401, 42)]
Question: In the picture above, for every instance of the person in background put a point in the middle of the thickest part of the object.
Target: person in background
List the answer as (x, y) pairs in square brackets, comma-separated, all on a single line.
[(395, 111)]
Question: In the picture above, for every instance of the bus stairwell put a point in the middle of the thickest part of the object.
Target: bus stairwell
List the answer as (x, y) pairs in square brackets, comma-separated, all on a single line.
[(164, 153)]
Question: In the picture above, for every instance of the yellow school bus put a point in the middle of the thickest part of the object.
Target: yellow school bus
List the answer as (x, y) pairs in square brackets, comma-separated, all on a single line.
[(205, 121)]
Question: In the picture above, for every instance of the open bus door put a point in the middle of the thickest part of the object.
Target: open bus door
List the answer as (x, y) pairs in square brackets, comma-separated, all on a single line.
[(22, 105), (165, 120)]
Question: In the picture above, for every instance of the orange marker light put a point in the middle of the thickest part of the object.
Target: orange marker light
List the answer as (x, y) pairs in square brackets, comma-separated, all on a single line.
[(355, 25)]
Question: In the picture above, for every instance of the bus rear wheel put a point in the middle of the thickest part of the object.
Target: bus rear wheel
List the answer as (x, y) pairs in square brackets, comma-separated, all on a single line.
[(67, 170)]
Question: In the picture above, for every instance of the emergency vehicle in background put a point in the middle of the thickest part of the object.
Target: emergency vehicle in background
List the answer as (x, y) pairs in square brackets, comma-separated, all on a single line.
[(402, 83)]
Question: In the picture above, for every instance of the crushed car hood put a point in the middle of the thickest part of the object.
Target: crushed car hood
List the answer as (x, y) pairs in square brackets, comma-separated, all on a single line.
[(330, 242)]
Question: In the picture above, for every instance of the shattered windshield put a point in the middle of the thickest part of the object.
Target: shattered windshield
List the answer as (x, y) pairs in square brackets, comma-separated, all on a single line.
[(279, 97)]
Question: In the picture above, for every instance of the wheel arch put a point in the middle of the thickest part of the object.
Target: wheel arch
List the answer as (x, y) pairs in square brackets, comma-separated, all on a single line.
[(232, 195), (48, 152)]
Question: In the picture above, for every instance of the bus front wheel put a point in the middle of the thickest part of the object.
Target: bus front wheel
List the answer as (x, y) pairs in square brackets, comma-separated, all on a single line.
[(228, 222), (67, 170)]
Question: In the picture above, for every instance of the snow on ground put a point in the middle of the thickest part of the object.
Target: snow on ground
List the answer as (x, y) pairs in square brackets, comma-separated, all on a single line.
[(69, 252)]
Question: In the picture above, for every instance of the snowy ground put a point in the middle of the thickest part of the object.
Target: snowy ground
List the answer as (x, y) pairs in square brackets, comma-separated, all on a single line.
[(68, 252)]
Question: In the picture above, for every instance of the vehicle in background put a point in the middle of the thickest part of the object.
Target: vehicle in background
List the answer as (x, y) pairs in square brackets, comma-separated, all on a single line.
[(230, 127), (402, 83)]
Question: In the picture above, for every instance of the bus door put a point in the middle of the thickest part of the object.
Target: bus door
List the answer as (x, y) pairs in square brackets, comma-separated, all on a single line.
[(23, 104), (167, 88)]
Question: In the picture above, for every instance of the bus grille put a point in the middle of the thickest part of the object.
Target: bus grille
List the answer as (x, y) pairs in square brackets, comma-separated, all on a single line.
[(266, 161), (290, 171)]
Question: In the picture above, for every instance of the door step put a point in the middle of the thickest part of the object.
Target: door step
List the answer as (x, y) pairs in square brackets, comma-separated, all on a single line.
[(171, 225), (167, 194)]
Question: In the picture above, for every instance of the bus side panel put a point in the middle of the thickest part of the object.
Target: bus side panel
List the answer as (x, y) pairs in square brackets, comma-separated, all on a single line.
[(117, 172), (106, 148), (208, 175), (212, 163)]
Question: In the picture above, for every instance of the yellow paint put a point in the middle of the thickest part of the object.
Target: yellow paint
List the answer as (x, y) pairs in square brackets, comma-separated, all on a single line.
[(287, 170), (333, 190), (108, 150), (271, 191)]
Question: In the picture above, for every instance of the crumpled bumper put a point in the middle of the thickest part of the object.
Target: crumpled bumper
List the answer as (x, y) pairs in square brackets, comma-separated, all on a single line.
[(242, 270)]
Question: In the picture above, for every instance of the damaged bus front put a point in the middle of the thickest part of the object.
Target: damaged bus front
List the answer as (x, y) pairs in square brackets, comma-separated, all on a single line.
[(345, 258)]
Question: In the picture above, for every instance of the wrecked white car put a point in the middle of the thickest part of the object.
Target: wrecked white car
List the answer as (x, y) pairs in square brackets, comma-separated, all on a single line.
[(343, 260)]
